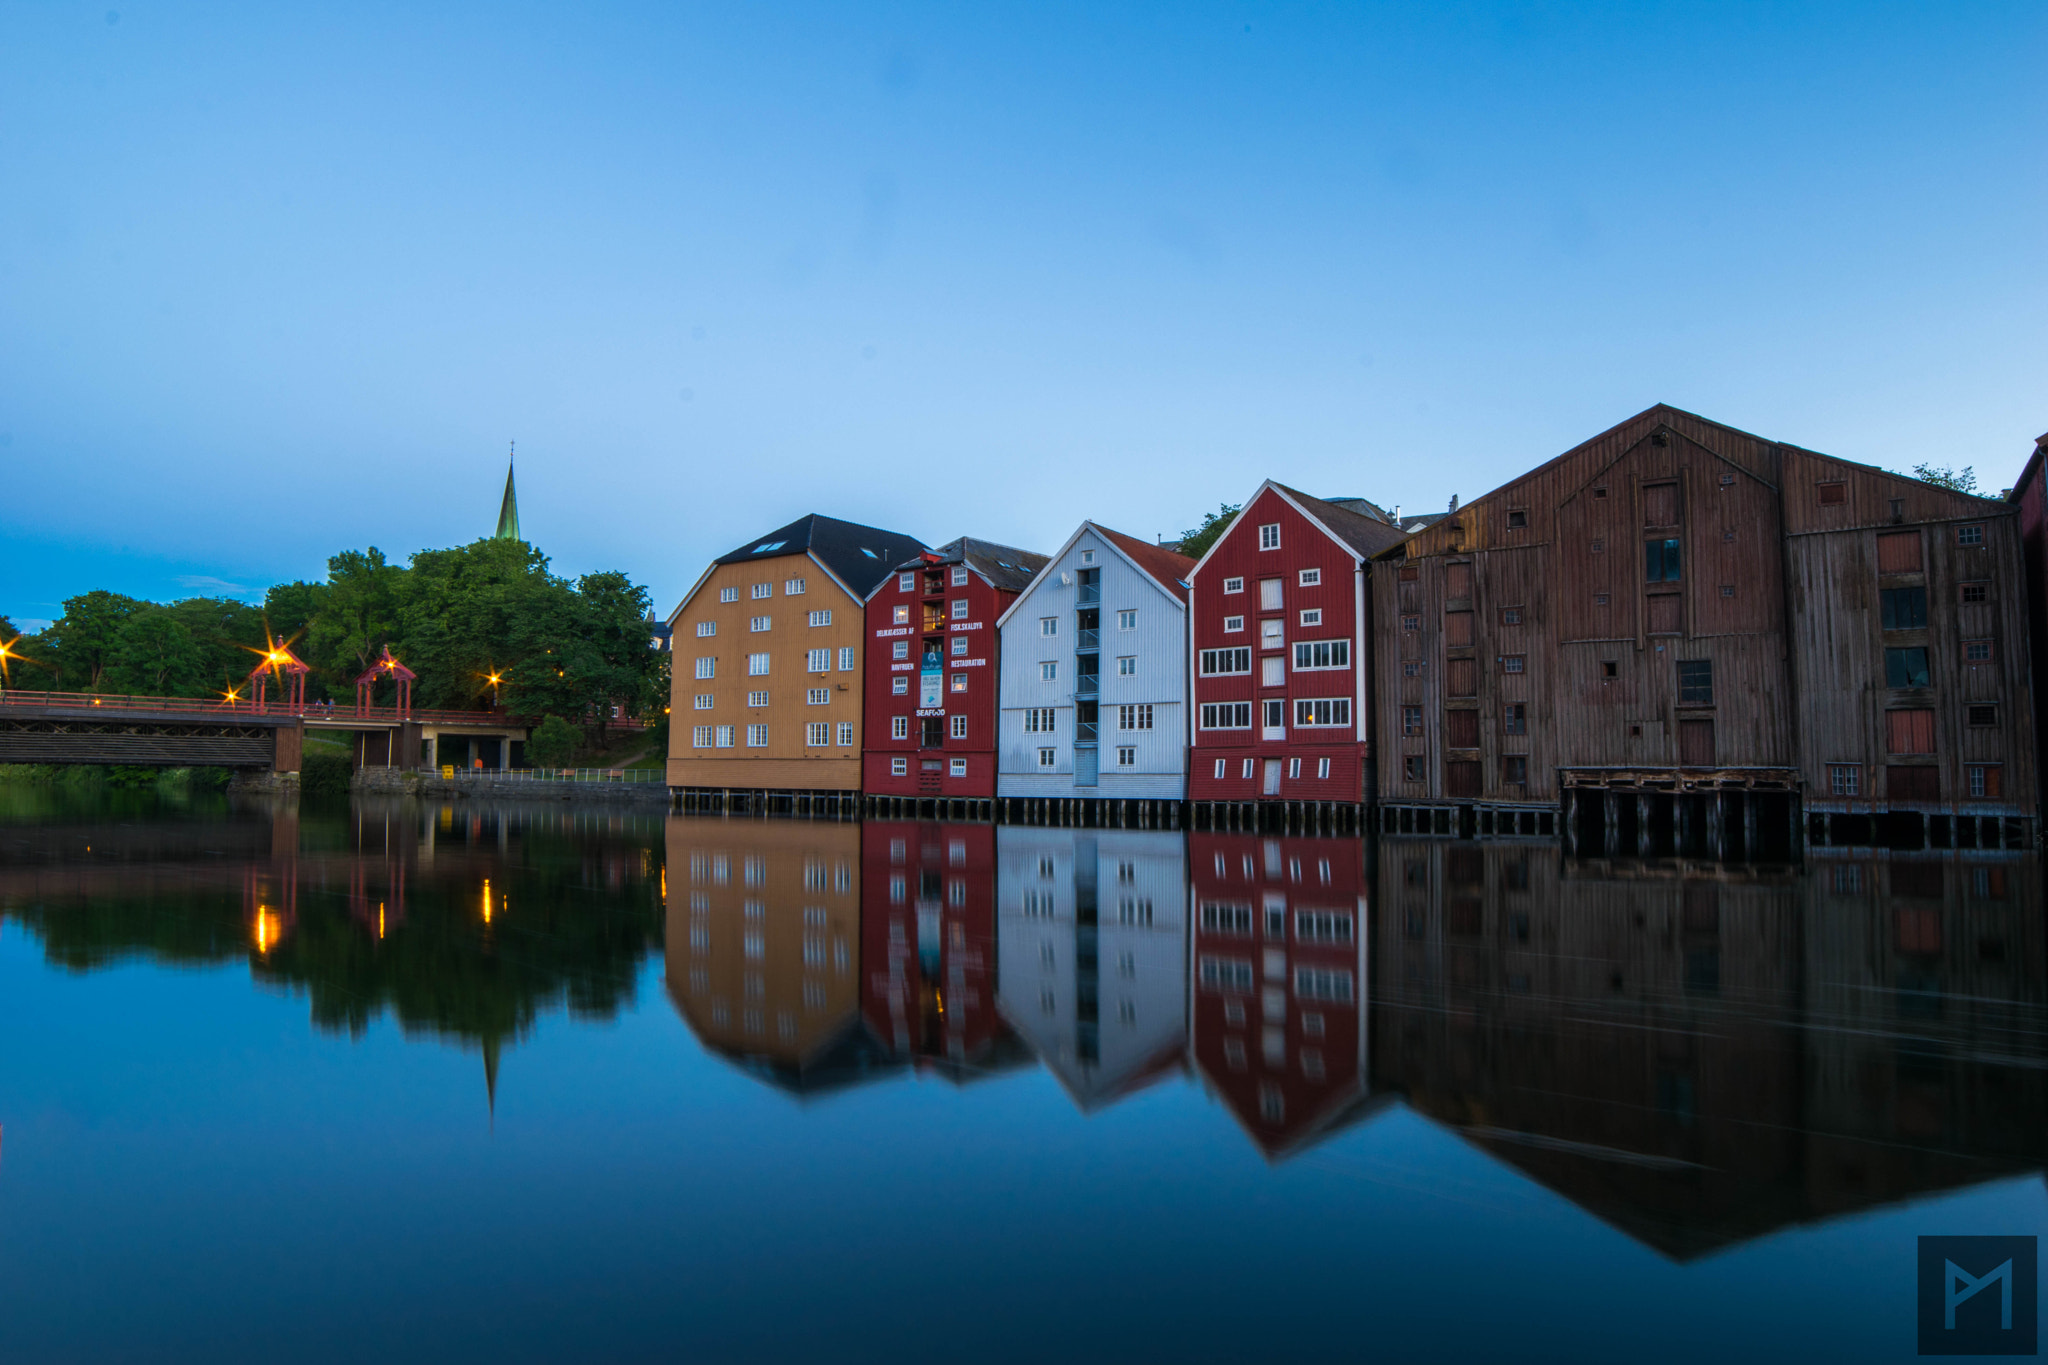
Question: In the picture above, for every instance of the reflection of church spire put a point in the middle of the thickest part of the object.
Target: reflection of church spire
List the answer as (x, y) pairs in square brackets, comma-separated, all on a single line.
[(491, 1075), (508, 511)]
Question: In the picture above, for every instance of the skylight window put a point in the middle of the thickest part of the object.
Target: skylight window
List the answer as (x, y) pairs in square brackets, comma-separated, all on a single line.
[(771, 545), (869, 553)]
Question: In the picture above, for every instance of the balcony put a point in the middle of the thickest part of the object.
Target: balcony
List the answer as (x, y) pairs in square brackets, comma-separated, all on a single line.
[(1088, 595), (1084, 732), (1089, 640)]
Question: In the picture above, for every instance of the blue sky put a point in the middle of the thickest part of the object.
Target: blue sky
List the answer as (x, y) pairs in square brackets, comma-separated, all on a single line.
[(276, 281)]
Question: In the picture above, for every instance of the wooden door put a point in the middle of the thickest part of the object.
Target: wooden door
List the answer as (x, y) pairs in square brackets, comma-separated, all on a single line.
[(1272, 784), (1696, 743)]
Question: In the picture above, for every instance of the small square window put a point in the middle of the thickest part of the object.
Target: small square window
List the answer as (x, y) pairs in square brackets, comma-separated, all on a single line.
[(763, 590), (1127, 666), (1233, 585), (1598, 547), (1127, 619), (959, 575), (906, 582), (960, 608), (793, 587), (1047, 757), (1511, 616), (1610, 668), (899, 727), (1600, 599), (1727, 590), (1411, 668), (1233, 623), (1985, 780), (1845, 779), (1087, 556), (1832, 494), (900, 649), (958, 645), (959, 682), (1969, 535), (1411, 720), (1049, 671), (1513, 663), (1311, 577), (1127, 756), (958, 767), (1411, 623), (1983, 714), (899, 616), (728, 594), (1269, 536), (1976, 592), (899, 686), (1599, 492), (1415, 767), (1517, 519), (1514, 770), (959, 727), (1977, 651), (899, 767), (1515, 719), (1048, 625), (1313, 617)]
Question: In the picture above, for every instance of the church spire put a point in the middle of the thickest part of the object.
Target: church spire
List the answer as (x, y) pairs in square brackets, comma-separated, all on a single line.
[(508, 511)]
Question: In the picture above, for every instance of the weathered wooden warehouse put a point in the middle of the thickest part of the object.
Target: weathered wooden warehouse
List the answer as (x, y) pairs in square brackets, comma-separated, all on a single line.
[(1685, 635)]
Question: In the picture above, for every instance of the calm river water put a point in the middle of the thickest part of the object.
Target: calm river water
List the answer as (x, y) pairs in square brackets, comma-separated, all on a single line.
[(406, 1082)]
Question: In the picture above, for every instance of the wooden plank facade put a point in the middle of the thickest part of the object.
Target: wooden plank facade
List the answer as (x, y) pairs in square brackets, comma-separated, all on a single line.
[(1678, 624)]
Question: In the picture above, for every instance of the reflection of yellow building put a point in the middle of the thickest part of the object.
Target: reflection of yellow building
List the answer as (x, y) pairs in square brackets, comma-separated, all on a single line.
[(763, 947)]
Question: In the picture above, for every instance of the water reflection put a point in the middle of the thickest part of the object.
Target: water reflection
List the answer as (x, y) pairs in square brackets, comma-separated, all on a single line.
[(1697, 1054)]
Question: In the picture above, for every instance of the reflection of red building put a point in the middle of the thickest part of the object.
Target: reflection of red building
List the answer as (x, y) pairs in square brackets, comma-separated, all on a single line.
[(930, 723), (928, 918), (1278, 982)]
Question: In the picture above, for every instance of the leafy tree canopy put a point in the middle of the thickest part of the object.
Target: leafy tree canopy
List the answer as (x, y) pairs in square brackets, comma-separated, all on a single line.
[(1195, 543), (1941, 476)]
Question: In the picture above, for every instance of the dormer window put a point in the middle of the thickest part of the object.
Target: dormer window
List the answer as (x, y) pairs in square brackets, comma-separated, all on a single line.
[(1269, 536)]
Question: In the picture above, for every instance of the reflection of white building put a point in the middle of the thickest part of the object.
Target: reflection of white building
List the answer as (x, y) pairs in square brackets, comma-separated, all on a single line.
[(1091, 954)]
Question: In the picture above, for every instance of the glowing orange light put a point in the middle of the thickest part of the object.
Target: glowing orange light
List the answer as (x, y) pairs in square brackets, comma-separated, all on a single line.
[(487, 900), (267, 928), (380, 919)]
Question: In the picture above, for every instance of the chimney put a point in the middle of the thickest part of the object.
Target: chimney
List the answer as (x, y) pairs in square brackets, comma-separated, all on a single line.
[(1454, 504)]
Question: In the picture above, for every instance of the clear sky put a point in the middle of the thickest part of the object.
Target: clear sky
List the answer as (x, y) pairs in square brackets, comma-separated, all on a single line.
[(277, 280)]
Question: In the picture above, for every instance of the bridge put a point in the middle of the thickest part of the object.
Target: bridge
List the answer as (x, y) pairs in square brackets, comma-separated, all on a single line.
[(178, 732)]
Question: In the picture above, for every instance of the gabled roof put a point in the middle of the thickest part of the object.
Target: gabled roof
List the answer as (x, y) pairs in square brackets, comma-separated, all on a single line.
[(1365, 532), (858, 556), (1165, 567), (1006, 567)]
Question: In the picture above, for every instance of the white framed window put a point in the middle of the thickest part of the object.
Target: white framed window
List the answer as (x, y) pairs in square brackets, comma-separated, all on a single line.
[(906, 582), (706, 629), (757, 736), (817, 661), (899, 686), (1323, 768), (1246, 775), (1272, 634), (1138, 717), (1127, 666), (1309, 578), (1087, 556), (1048, 625), (1049, 671), (1219, 773), (723, 737), (899, 767), (1232, 624), (1293, 768), (1269, 536), (899, 649), (846, 735), (1126, 756), (959, 575), (757, 623), (958, 767), (1274, 717), (821, 618), (1038, 720), (959, 608), (728, 594), (899, 727), (1312, 617), (817, 734), (1272, 670), (1322, 983), (1047, 757), (849, 659), (817, 696), (700, 737), (764, 590), (959, 727), (1227, 715), (1845, 779), (899, 616), (702, 701), (1127, 619), (1310, 655), (792, 587), (757, 665), (1217, 662), (1514, 663), (707, 667), (1271, 594), (757, 698), (1322, 711), (1233, 585), (959, 682)]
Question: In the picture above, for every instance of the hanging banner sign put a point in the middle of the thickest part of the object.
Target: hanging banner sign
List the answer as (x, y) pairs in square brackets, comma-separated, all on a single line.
[(931, 681)]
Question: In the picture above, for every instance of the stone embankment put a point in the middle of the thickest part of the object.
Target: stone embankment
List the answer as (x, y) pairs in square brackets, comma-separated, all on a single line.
[(490, 786)]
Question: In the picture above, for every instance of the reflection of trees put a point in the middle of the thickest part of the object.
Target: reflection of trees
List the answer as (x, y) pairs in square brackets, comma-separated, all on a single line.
[(361, 930)]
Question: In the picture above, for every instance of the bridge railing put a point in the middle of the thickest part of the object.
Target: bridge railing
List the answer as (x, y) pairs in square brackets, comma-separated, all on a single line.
[(552, 774), (217, 707)]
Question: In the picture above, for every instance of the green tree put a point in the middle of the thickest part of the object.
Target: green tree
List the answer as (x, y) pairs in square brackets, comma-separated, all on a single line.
[(78, 647), (1941, 476), (353, 617), (227, 634), (554, 743), (1195, 543), (155, 654)]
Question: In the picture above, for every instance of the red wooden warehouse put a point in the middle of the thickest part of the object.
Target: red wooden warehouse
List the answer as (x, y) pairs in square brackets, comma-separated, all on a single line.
[(930, 706), (1281, 690)]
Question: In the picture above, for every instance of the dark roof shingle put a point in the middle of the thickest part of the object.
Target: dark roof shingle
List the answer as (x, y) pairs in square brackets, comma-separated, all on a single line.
[(861, 556)]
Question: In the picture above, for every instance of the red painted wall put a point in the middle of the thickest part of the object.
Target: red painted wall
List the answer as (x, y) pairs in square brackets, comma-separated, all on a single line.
[(894, 615), (1237, 555), (928, 939)]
